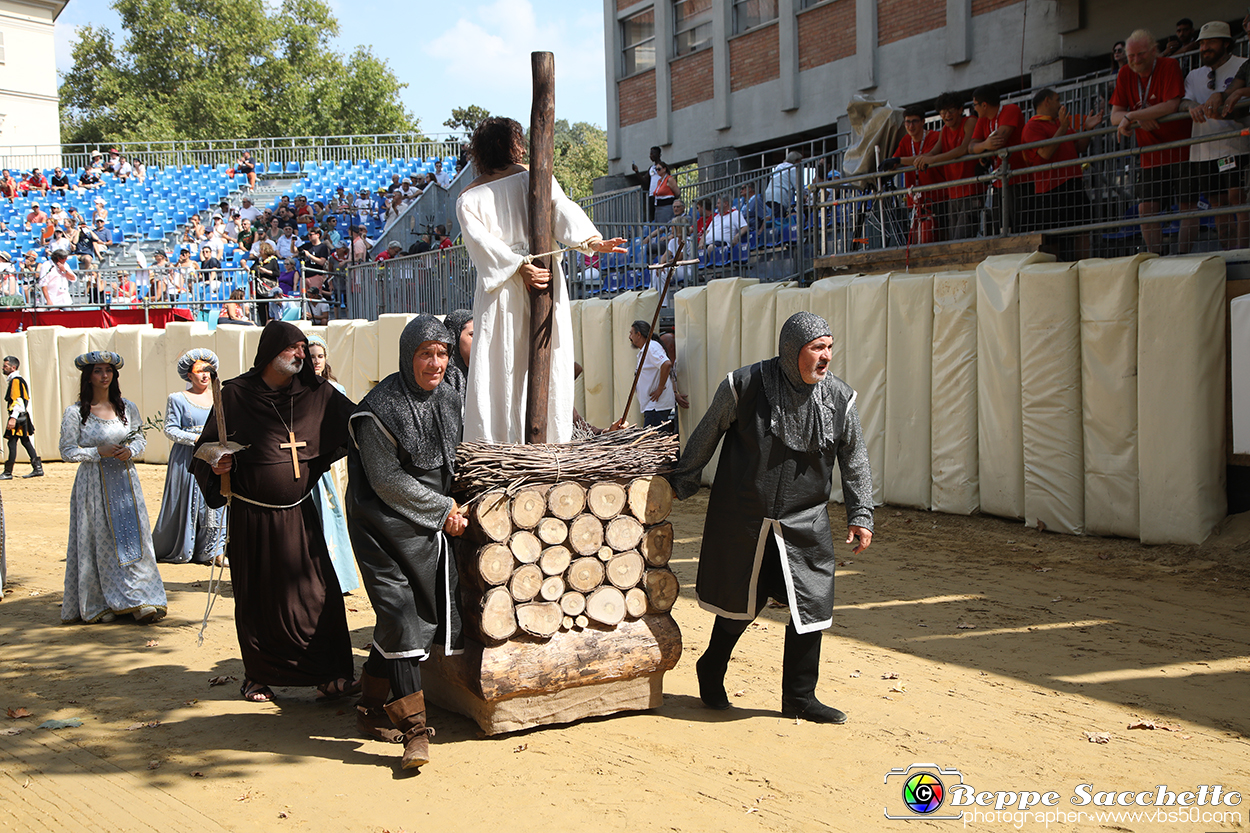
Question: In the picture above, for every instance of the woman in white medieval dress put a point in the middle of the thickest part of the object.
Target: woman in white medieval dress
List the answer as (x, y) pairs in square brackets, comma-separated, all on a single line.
[(328, 498), (110, 567), (495, 222)]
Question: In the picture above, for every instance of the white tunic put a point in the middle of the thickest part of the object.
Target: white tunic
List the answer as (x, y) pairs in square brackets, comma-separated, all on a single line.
[(495, 223)]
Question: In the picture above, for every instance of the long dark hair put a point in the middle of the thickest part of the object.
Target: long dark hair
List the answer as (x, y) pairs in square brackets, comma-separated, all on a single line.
[(497, 143), (86, 393)]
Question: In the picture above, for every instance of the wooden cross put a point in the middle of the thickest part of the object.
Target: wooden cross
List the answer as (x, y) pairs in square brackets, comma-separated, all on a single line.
[(292, 444)]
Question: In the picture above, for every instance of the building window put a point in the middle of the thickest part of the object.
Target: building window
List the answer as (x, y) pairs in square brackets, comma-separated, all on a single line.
[(751, 13), (638, 37), (807, 4), (692, 25)]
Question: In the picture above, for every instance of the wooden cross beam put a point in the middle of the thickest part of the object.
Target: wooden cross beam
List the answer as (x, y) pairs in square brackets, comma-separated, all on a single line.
[(293, 445)]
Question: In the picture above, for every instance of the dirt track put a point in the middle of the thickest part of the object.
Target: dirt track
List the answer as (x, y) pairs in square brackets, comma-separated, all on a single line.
[(1008, 645)]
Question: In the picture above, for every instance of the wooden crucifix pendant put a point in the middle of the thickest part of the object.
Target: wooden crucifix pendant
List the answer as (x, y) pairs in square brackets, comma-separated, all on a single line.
[(292, 444)]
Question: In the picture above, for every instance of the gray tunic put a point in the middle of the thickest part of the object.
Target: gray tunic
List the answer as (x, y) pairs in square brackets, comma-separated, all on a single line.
[(765, 489)]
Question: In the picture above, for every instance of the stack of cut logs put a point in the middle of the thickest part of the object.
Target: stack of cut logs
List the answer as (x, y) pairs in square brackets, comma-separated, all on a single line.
[(551, 558)]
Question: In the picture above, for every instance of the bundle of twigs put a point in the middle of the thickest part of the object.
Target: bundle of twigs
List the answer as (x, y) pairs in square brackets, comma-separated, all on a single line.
[(624, 454)]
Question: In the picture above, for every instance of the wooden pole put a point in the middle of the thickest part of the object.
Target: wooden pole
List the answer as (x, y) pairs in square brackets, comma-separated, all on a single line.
[(542, 160), (221, 427)]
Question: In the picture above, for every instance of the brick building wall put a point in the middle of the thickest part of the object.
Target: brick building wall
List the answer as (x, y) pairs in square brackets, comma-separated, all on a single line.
[(753, 58), (826, 33), (898, 19), (983, 6), (691, 79), (636, 98)]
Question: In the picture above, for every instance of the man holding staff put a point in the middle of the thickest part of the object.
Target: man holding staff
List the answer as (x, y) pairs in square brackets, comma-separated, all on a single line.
[(785, 423)]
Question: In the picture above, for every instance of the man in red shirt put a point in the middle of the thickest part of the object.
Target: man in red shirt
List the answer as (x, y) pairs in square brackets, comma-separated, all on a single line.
[(915, 144), (1059, 194), (1000, 126), (440, 234), (964, 202), (1147, 89)]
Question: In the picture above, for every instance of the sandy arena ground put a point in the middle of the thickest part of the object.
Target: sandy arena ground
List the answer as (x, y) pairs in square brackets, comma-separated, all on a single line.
[(970, 643)]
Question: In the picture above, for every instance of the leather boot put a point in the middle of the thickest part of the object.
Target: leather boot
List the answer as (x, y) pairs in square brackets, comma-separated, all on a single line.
[(408, 715), (800, 669), (36, 469), (711, 667), (8, 472), (371, 717)]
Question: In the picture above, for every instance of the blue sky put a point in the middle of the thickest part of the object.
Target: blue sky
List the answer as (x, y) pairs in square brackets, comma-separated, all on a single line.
[(475, 53)]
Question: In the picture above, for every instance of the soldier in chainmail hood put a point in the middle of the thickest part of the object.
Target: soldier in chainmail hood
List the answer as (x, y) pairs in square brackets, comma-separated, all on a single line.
[(785, 423), (399, 514)]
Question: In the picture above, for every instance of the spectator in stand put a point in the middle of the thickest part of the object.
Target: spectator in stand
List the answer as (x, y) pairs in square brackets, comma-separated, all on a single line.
[(99, 212), (333, 236), (916, 143), (359, 248), (779, 193), (159, 276), (727, 228), (441, 238), (1185, 39), (182, 276), (57, 213), (651, 181), (235, 311), (59, 240), (210, 267), (393, 250), (36, 216), (266, 272), (303, 212), (443, 178), (1000, 126), (703, 217), (54, 280), (409, 192), (114, 161), (363, 207), (60, 181), (1118, 56), (231, 227), (11, 294), (422, 245), (98, 287), (219, 237), (8, 185), (964, 202), (664, 191), (249, 212), (124, 169), (1210, 171), (341, 204), (285, 212), (273, 230), (1149, 88), (246, 166), (752, 206), (315, 254), (394, 207), (85, 240), (1059, 194), (394, 186), (247, 234), (37, 182), (288, 244), (90, 177), (678, 246)]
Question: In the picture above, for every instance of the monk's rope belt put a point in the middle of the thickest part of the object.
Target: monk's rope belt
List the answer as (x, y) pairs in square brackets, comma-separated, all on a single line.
[(217, 567)]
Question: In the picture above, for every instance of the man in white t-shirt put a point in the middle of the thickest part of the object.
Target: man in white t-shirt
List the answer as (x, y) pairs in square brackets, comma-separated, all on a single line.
[(443, 178), (655, 388), (1216, 169), (249, 212), (726, 228), (54, 281)]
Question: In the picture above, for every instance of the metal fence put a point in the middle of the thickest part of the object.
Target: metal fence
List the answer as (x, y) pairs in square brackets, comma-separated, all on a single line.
[(435, 282), (275, 153), (1098, 214)]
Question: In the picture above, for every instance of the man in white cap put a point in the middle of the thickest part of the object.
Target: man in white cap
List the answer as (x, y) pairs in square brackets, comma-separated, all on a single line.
[(1216, 168)]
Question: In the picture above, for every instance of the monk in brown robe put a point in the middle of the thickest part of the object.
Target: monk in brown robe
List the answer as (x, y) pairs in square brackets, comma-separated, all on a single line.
[(289, 612)]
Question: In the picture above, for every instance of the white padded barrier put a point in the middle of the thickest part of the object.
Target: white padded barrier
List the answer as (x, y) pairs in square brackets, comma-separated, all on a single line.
[(867, 316), (690, 323), (1109, 393), (827, 298), (1050, 397), (908, 463), (597, 360), (759, 321), (724, 339), (954, 390), (1000, 452), (579, 386), (1180, 398), (1239, 313)]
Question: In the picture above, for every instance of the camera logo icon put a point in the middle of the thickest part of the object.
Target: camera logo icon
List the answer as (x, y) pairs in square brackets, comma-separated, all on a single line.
[(922, 789)]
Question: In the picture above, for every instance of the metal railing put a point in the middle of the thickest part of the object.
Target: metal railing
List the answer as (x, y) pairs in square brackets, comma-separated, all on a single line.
[(271, 151), (435, 282), (877, 211)]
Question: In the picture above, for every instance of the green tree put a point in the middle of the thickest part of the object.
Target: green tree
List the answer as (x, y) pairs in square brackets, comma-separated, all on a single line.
[(467, 118), (222, 69), (581, 155)]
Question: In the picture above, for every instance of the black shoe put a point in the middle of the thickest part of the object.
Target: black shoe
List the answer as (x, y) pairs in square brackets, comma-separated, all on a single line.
[(815, 712), (711, 686), (35, 473), (8, 475)]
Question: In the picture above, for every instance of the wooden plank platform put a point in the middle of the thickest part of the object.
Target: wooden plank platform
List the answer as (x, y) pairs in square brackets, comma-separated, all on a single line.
[(956, 255)]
